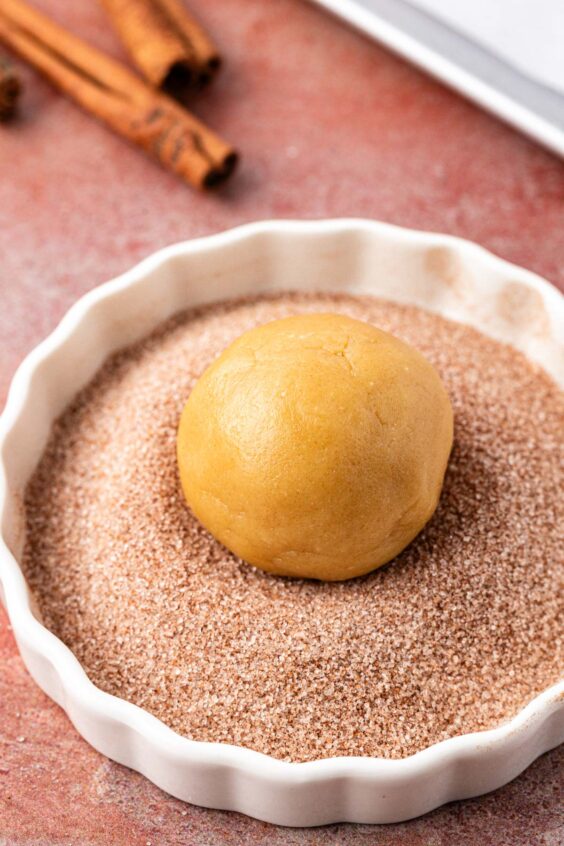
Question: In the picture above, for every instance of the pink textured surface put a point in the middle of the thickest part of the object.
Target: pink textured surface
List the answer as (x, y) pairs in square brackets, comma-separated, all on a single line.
[(328, 125)]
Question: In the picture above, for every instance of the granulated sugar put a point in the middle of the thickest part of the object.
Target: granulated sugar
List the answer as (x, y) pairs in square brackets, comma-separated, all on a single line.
[(455, 635)]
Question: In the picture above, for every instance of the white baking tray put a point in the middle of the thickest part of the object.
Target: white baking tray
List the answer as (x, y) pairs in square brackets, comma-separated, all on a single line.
[(461, 63), (444, 274)]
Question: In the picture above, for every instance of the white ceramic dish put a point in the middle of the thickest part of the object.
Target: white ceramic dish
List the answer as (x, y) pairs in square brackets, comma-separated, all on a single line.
[(443, 274)]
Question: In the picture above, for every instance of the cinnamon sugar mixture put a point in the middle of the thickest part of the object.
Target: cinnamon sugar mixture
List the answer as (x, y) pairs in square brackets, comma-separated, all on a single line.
[(455, 636)]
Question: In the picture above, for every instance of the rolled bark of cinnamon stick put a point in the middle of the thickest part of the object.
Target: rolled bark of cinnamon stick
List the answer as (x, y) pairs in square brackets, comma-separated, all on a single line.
[(116, 96), (170, 48), (10, 90)]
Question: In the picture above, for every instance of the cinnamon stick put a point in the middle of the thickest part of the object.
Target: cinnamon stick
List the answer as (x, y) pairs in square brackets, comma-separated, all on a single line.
[(10, 90), (116, 96), (170, 48)]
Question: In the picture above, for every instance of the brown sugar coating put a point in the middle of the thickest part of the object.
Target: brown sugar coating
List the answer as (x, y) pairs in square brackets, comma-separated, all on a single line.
[(455, 635)]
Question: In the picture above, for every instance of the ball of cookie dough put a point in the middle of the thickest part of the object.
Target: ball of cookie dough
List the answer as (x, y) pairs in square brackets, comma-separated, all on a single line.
[(315, 446)]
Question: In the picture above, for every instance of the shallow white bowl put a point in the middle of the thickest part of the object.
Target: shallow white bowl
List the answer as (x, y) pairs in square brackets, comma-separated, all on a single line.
[(443, 274)]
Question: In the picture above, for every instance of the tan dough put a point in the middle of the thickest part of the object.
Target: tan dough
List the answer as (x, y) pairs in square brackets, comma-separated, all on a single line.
[(315, 446)]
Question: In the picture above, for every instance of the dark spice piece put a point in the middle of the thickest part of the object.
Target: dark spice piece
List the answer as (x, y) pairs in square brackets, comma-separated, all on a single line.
[(10, 89)]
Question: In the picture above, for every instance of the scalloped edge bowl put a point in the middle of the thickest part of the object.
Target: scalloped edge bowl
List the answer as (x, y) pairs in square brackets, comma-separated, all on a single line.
[(443, 274)]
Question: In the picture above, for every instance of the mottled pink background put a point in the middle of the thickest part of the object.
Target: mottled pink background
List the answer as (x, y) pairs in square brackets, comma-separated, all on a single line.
[(328, 124)]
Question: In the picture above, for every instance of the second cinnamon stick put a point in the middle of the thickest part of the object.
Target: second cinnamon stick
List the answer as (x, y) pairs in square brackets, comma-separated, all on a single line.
[(170, 48)]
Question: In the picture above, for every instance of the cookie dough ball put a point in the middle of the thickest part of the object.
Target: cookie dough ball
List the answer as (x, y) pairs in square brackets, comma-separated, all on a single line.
[(315, 446)]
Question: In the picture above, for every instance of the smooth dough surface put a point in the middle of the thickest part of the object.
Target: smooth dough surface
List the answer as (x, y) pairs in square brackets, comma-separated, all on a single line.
[(315, 446)]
